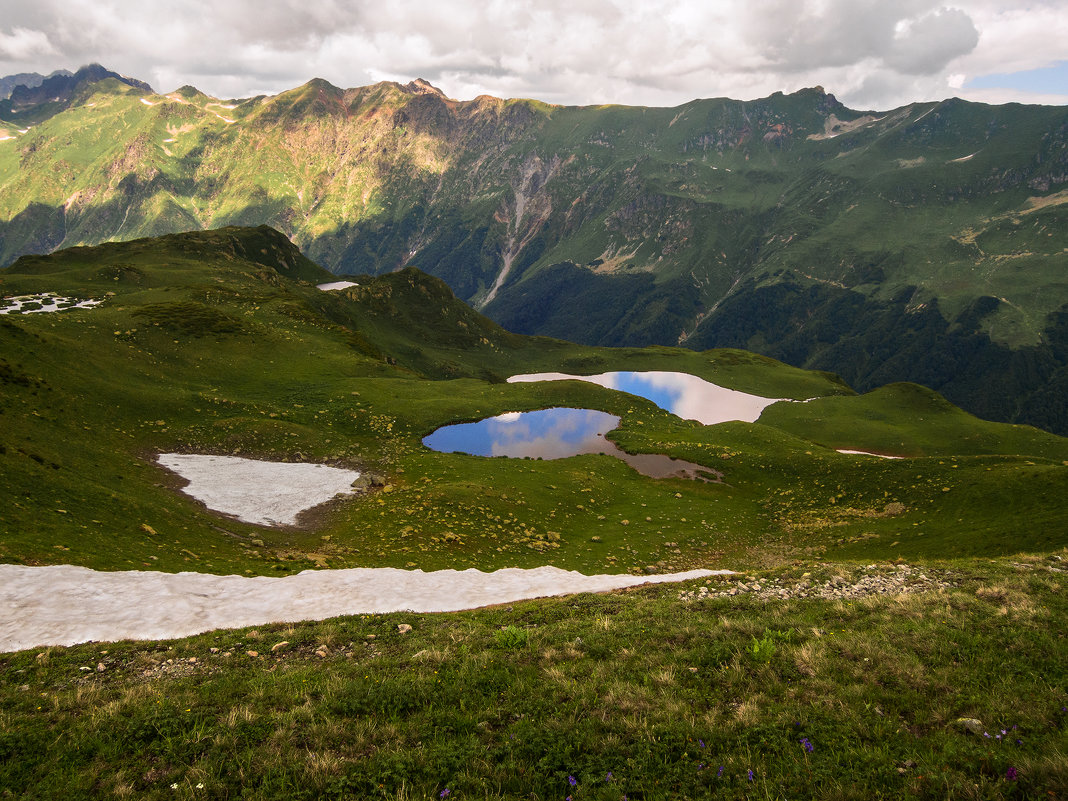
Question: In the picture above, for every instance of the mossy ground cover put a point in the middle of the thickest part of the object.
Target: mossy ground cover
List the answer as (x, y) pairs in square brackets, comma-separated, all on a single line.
[(220, 343), (650, 693)]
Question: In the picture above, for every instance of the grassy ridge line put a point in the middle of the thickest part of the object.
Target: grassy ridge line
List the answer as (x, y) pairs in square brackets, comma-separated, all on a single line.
[(653, 693)]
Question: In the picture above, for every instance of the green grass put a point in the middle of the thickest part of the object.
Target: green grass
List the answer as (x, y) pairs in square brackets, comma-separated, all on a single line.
[(909, 420), (636, 693), (218, 342)]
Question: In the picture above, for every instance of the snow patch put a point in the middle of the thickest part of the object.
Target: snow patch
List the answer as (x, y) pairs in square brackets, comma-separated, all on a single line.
[(49, 302), (867, 453), (330, 287), (264, 493), (148, 102), (64, 604)]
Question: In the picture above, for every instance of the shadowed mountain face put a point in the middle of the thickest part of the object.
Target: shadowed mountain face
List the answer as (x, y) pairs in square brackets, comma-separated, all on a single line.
[(27, 79), (925, 243), (32, 97)]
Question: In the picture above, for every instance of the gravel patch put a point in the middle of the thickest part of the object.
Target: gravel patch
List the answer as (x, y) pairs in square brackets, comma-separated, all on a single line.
[(872, 580)]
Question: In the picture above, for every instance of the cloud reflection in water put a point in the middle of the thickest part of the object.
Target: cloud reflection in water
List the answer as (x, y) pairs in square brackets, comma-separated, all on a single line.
[(682, 394)]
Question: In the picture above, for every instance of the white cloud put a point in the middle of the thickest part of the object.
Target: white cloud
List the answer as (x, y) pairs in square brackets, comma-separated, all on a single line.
[(871, 53), (23, 43), (924, 45)]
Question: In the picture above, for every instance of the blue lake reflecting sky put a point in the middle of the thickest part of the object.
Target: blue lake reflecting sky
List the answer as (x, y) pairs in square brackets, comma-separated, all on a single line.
[(556, 434), (546, 434)]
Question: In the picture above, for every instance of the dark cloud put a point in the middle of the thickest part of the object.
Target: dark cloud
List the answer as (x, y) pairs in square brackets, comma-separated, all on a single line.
[(928, 44)]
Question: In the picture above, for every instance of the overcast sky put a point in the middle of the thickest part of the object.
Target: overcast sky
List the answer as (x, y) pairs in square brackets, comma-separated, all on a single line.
[(872, 54)]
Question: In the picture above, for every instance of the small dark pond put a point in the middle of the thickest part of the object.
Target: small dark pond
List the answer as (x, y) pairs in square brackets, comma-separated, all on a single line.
[(555, 434)]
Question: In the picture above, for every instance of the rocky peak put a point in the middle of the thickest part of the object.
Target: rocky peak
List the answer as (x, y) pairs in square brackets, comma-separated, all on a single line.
[(61, 87), (423, 87)]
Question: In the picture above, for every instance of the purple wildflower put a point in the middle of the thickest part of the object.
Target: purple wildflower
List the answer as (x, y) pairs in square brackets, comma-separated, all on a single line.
[(750, 774), (608, 777), (701, 743), (1011, 774), (719, 772), (808, 746), (445, 793), (572, 780)]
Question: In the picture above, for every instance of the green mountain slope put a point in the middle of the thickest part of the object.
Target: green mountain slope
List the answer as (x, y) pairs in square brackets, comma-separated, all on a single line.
[(783, 225), (219, 342)]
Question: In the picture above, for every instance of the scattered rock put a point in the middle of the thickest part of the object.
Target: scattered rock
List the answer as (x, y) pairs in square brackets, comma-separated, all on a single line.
[(970, 724), (278, 646), (253, 653), (403, 628), (100, 668), (889, 580)]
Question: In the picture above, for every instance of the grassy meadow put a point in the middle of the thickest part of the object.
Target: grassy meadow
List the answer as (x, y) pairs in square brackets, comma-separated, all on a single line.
[(219, 342)]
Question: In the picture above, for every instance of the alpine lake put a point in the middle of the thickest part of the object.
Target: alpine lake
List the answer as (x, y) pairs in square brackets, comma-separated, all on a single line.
[(558, 432)]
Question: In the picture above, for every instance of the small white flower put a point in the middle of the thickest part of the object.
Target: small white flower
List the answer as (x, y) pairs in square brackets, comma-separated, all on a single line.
[(174, 786), (200, 785)]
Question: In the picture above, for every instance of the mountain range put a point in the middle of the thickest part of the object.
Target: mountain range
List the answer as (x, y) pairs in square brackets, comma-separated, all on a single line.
[(926, 243), (26, 79)]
